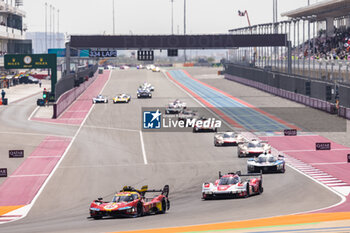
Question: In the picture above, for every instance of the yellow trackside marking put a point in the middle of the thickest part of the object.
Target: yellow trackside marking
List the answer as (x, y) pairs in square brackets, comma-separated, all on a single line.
[(263, 222), (7, 209)]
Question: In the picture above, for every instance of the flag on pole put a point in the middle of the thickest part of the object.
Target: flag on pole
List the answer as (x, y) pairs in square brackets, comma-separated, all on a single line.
[(241, 13)]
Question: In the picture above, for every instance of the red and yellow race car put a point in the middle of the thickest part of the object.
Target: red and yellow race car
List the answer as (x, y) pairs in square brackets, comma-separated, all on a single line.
[(132, 202)]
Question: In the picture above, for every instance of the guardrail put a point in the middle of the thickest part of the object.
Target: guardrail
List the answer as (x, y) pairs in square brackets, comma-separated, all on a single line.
[(302, 99)]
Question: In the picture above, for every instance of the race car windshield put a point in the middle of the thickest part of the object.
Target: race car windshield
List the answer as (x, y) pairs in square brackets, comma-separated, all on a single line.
[(262, 159), (253, 145), (228, 180), (123, 198), (271, 159), (228, 135)]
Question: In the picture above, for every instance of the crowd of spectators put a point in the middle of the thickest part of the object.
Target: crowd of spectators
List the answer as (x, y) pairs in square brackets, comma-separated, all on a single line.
[(334, 47)]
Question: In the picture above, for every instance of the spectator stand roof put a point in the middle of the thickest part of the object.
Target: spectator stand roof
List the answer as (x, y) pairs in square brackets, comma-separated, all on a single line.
[(322, 10)]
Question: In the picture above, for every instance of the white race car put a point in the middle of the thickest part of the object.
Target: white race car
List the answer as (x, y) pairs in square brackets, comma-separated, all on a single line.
[(266, 163), (99, 99), (146, 85), (177, 104), (150, 67), (253, 147), (228, 139), (233, 185)]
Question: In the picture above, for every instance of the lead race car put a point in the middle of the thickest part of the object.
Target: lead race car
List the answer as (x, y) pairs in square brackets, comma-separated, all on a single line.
[(131, 202), (99, 99), (232, 185), (122, 98), (228, 139), (266, 163), (253, 147)]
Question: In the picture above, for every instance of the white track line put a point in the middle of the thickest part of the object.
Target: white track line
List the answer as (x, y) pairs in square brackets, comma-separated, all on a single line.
[(32, 114), (25, 210), (338, 184), (325, 179), (143, 149)]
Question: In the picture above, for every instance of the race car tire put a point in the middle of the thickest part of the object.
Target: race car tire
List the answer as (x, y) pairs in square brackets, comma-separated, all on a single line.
[(106, 101), (97, 217), (239, 154), (139, 210), (247, 191), (164, 207), (283, 170), (261, 189)]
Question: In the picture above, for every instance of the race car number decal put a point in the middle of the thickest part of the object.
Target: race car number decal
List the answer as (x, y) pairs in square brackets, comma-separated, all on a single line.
[(111, 206)]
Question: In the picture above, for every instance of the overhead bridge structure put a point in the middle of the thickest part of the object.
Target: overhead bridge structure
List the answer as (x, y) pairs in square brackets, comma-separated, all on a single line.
[(219, 41)]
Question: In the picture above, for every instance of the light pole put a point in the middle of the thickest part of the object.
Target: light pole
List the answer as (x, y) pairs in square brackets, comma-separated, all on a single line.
[(50, 34), (185, 26), (45, 27), (58, 27), (113, 19), (172, 17), (53, 28)]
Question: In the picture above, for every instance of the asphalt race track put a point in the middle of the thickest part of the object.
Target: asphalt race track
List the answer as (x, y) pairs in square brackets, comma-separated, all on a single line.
[(107, 154)]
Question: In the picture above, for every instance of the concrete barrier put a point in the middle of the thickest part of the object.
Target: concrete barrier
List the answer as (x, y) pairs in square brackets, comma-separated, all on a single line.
[(347, 114), (70, 96)]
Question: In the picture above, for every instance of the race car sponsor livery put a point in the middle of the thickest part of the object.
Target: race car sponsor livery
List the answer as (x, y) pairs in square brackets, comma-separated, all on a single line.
[(232, 185), (266, 163), (131, 202), (228, 139), (253, 147)]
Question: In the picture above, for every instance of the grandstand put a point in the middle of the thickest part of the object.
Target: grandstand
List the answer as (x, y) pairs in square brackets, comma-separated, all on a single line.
[(320, 42)]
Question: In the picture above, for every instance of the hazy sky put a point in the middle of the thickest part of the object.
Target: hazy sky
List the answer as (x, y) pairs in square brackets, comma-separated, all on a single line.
[(152, 16)]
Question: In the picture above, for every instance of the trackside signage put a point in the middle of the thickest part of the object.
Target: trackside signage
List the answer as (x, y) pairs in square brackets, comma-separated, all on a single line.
[(3, 172), (290, 132), (16, 153), (30, 61), (323, 146)]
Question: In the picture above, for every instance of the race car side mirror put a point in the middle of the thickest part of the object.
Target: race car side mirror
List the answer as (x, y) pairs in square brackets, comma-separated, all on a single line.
[(220, 174), (100, 199), (280, 156)]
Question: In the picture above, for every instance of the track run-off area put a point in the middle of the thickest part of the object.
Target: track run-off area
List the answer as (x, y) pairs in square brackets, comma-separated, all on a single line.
[(105, 149)]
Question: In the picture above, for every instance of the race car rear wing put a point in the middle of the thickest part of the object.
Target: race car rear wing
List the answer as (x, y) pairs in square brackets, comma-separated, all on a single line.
[(252, 175), (144, 189), (164, 191), (244, 175)]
